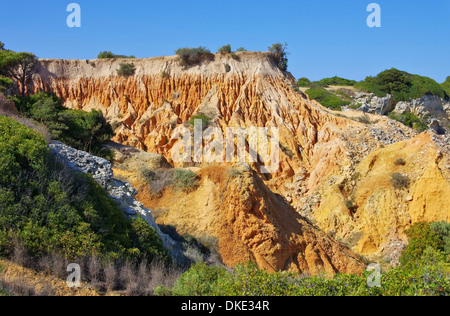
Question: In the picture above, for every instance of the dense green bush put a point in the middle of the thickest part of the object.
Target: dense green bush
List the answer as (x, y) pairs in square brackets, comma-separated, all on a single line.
[(446, 85), (326, 98), (50, 208), (442, 229), (200, 280), (335, 81), (126, 70), (191, 56), (401, 85), (82, 130), (420, 237)]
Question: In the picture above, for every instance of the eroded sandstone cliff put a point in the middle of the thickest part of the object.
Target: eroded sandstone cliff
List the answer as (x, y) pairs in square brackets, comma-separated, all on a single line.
[(328, 160)]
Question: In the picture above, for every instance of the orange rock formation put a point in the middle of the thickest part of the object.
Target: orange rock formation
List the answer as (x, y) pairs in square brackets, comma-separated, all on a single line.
[(327, 158)]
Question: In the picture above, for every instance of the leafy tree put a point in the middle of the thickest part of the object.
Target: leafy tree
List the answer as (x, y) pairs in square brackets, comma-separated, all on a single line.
[(279, 54), (18, 66), (2, 46), (241, 49)]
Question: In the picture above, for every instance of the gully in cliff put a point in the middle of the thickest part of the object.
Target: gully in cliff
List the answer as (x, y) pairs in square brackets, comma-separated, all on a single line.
[(210, 145)]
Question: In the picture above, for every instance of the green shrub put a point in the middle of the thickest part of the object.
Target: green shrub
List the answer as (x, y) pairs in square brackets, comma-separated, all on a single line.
[(185, 179), (146, 239), (191, 56), (126, 70), (442, 229), (199, 280), (226, 49), (326, 98)]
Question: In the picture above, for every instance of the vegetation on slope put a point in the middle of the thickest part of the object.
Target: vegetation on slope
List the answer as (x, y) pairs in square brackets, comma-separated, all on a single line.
[(446, 85), (401, 85), (17, 66), (326, 98), (425, 270), (82, 130), (49, 208)]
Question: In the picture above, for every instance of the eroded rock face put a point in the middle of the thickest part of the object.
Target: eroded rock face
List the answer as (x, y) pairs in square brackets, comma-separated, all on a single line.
[(374, 104), (327, 159), (250, 222), (150, 106)]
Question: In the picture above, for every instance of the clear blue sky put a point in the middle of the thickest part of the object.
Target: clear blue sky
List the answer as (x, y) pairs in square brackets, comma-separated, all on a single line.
[(325, 37)]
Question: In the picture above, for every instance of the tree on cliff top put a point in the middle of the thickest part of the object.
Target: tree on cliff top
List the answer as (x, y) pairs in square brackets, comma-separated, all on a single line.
[(17, 66), (279, 54)]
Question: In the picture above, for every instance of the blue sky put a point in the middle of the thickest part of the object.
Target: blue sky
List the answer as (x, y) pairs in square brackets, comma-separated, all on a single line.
[(325, 37)]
